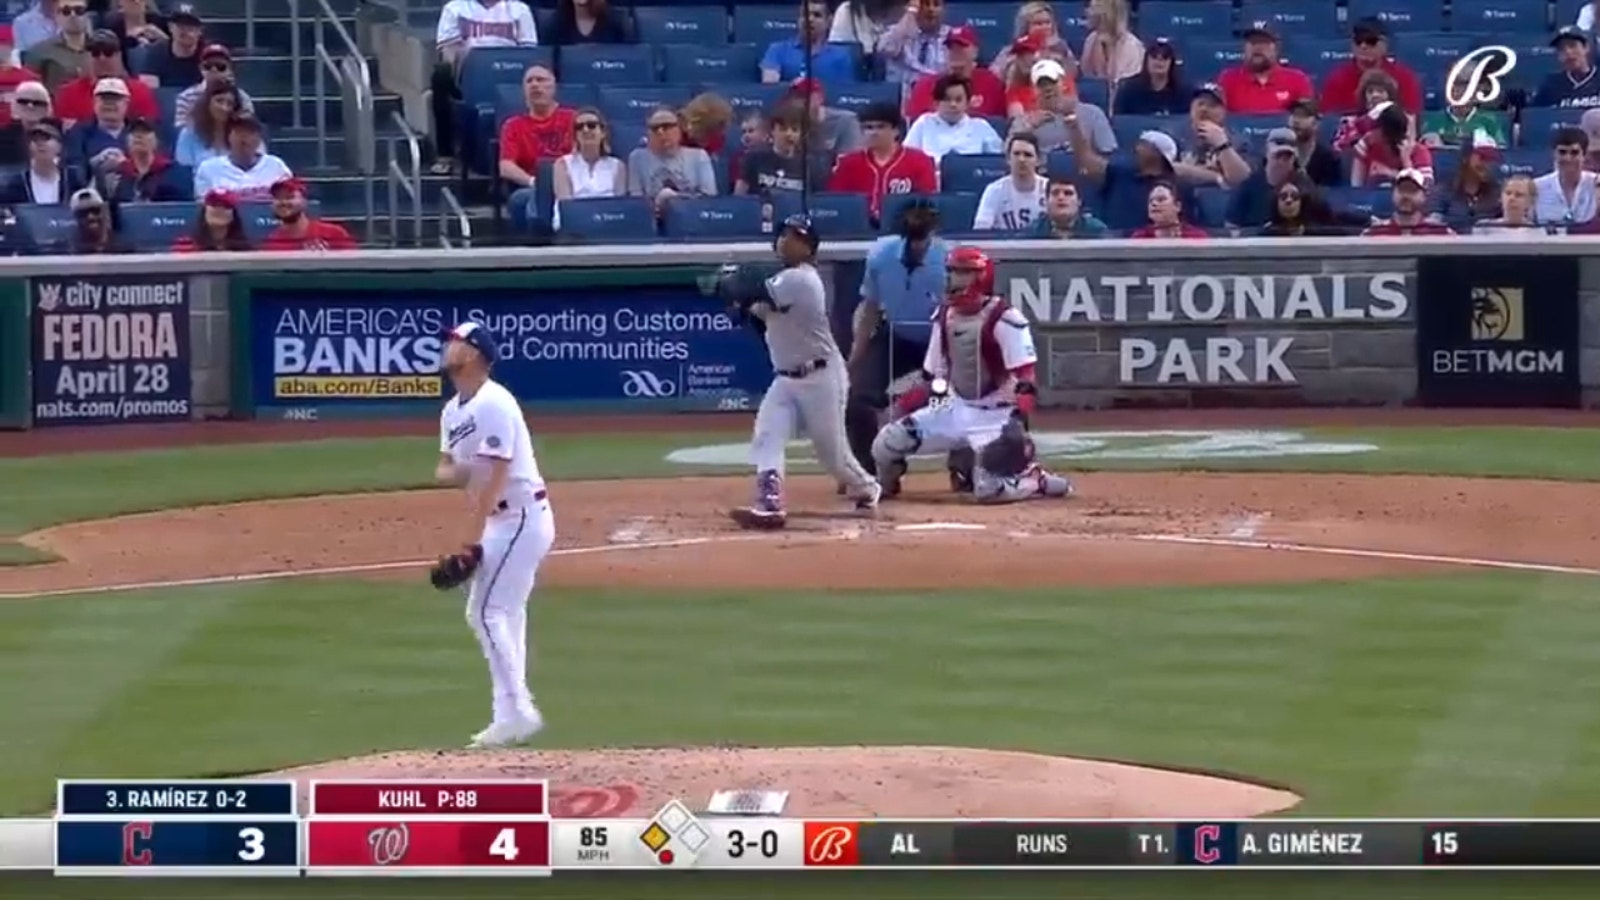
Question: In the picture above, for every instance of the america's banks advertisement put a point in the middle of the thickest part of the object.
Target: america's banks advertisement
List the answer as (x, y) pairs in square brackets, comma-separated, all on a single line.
[(1499, 332), (110, 349), (1203, 324), (327, 353)]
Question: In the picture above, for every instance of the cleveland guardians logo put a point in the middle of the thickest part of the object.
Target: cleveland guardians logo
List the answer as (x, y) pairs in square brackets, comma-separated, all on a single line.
[(389, 844), (1497, 314), (1206, 841), (1478, 76), (136, 843)]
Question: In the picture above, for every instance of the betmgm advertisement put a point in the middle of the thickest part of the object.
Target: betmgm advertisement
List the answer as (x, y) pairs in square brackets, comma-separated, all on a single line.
[(325, 353)]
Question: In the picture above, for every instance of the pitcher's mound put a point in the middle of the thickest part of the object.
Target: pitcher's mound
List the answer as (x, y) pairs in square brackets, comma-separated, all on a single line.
[(844, 782)]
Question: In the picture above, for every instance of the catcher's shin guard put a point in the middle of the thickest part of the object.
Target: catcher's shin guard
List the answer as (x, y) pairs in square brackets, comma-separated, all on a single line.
[(892, 478), (1033, 483), (959, 463), (860, 427)]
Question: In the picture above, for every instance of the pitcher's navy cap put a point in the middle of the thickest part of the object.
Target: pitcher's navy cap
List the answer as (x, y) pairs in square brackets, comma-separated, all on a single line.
[(478, 338)]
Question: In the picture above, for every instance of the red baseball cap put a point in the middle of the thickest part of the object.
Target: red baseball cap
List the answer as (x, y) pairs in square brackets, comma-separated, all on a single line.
[(221, 50), (1028, 43), (962, 35), (289, 183), (219, 197), (806, 86)]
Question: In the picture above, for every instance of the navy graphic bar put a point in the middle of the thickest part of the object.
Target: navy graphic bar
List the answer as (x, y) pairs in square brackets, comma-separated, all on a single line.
[(177, 798), (1525, 844), (181, 843)]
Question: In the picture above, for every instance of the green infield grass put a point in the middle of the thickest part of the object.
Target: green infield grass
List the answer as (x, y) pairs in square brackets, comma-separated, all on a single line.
[(1470, 695)]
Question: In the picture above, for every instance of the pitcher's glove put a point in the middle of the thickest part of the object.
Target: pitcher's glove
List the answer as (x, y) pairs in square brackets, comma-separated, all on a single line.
[(456, 569)]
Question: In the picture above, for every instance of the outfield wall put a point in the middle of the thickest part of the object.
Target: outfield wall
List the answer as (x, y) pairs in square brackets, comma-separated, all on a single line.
[(1336, 321)]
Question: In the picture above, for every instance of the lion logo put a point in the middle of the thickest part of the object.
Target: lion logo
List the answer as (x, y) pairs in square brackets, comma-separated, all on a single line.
[(1497, 314)]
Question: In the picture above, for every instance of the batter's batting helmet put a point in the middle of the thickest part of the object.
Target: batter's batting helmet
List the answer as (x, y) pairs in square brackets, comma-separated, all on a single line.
[(801, 225), (478, 338)]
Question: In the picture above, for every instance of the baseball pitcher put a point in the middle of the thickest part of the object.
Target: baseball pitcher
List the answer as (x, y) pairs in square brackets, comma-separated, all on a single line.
[(978, 394), (810, 386)]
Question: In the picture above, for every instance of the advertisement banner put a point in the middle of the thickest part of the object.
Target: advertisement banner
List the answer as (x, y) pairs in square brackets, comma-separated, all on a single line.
[(1177, 332), (316, 353), (1498, 331), (110, 349)]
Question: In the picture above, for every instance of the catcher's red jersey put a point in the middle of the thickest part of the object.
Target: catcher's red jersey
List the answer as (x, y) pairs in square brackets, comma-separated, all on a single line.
[(979, 353)]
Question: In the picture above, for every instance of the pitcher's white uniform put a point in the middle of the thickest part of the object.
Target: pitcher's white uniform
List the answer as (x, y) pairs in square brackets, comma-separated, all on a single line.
[(516, 537)]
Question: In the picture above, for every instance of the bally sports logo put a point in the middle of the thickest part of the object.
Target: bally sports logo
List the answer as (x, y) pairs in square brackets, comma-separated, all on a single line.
[(832, 844), (1478, 76)]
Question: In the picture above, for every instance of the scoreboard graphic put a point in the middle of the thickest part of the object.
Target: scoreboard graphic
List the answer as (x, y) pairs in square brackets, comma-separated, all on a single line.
[(503, 828)]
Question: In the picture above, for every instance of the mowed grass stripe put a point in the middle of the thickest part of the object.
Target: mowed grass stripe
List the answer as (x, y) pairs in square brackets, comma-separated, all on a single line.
[(1519, 715)]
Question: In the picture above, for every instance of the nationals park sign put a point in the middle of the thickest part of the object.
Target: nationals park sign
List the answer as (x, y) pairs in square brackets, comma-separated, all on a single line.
[(1157, 332)]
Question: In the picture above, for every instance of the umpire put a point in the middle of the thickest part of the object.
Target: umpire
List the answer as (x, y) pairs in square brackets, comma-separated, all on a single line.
[(902, 287)]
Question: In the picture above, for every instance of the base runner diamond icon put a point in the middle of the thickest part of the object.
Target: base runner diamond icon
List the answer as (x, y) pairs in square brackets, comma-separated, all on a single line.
[(655, 837), (674, 816), (694, 837)]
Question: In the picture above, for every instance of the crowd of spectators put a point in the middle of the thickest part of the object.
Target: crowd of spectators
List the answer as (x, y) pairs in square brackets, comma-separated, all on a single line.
[(108, 115), (1135, 130)]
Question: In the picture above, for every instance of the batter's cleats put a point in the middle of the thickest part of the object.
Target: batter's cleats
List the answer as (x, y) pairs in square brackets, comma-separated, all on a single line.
[(867, 504), (892, 479), (754, 519), (512, 731), (1053, 485), (960, 481)]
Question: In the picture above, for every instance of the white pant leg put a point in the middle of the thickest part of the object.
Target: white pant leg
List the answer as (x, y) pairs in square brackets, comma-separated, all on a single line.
[(514, 545)]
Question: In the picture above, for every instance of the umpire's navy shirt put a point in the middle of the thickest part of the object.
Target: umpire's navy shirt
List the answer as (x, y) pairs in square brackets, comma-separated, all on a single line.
[(909, 296)]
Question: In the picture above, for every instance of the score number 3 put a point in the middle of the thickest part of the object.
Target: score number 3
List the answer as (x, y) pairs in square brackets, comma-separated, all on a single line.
[(255, 844)]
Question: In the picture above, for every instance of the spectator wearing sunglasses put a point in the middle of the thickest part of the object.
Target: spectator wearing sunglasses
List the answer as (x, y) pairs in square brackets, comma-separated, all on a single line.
[(591, 169), (1252, 203), (75, 100), (1341, 87), (216, 65), (65, 56), (30, 105)]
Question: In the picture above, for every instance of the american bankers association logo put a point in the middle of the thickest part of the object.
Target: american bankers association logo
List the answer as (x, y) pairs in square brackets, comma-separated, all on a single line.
[(1497, 314), (647, 384)]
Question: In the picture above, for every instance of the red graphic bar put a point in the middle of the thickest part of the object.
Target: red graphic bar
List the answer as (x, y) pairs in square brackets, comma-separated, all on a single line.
[(437, 798), (348, 844)]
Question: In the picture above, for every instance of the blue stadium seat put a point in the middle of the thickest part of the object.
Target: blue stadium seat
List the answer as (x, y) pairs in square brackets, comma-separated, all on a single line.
[(764, 25), (1526, 161), (1296, 18), (680, 24), (608, 219), (259, 221), (1091, 90), (837, 216), (155, 226), (995, 24), (956, 211), (45, 227), (627, 136), (748, 98), (1567, 11), (694, 63), (608, 63), (1213, 203), (633, 102), (1498, 17), (1401, 15), (1127, 128), (853, 97), (1365, 201), (1060, 164), (1253, 129), (1538, 123), (1072, 21), (1433, 54), (970, 173), (1170, 18), (1318, 55), (483, 71), (1205, 58), (712, 218), (1535, 59)]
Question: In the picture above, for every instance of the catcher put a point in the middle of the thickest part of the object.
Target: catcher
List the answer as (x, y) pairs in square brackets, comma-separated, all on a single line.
[(976, 397)]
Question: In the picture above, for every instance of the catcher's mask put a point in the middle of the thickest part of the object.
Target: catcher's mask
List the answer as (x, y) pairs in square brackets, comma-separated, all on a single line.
[(478, 338), (969, 279)]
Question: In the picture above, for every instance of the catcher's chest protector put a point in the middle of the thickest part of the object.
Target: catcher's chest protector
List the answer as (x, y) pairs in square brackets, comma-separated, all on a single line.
[(972, 357)]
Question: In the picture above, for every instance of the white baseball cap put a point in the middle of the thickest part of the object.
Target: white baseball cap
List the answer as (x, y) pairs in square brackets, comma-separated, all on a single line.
[(1047, 70), (111, 86)]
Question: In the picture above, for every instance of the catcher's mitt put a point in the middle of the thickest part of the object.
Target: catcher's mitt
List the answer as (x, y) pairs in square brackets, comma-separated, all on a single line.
[(456, 569), (1010, 453)]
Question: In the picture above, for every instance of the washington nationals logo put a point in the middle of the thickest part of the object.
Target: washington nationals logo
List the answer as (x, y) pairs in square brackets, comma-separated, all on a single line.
[(644, 383), (1477, 76), (389, 844), (829, 845)]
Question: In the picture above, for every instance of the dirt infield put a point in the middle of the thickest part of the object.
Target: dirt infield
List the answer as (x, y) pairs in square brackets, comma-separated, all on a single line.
[(1124, 529)]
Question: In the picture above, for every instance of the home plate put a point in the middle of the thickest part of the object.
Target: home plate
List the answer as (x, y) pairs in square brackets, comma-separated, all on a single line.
[(941, 526)]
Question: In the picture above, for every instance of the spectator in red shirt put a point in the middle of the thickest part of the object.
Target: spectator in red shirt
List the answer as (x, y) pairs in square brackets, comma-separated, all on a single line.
[(544, 132), (1021, 96), (1261, 85), (1410, 209), (11, 74), (1376, 86), (988, 93), (298, 231), (217, 228), (75, 99), (1341, 94), (885, 166), (1166, 216), (1387, 148)]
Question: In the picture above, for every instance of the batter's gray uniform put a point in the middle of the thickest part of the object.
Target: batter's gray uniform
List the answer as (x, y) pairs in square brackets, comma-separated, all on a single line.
[(811, 385)]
